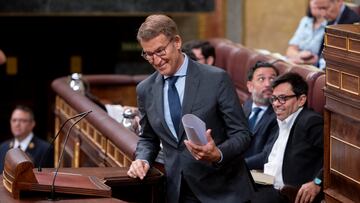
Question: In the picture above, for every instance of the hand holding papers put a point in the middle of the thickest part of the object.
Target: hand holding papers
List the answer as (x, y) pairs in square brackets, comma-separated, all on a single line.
[(195, 129)]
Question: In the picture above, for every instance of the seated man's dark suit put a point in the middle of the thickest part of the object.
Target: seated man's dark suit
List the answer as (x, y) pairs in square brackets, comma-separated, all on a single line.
[(347, 17), (36, 149), (262, 139), (304, 154), (210, 95)]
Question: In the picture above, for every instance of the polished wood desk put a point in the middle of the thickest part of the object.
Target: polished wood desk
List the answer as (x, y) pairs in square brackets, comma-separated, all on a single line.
[(123, 187), (5, 196)]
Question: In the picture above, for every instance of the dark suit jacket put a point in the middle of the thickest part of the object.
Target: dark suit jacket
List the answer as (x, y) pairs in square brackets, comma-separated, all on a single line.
[(304, 152), (36, 149), (263, 137), (210, 95), (348, 17)]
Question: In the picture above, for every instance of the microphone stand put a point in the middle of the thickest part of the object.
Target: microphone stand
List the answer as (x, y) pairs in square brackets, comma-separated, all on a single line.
[(83, 115), (57, 134)]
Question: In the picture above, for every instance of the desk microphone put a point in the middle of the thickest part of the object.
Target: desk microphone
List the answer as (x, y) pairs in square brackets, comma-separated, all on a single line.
[(57, 134), (81, 115)]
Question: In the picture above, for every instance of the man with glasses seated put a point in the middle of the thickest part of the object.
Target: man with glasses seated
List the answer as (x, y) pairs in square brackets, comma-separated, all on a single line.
[(296, 158), (214, 171), (22, 123)]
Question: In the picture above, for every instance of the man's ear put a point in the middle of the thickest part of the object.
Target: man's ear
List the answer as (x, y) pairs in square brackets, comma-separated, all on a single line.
[(302, 99), (210, 60), (249, 85), (178, 42)]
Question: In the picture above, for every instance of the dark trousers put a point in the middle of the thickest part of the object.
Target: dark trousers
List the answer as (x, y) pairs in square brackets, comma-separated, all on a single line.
[(186, 195), (268, 194)]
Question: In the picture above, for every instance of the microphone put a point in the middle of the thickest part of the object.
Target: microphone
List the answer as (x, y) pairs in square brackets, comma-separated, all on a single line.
[(57, 134), (81, 115)]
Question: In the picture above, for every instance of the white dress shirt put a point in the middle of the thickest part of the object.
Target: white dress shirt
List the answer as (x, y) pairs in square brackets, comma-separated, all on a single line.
[(24, 143), (275, 161)]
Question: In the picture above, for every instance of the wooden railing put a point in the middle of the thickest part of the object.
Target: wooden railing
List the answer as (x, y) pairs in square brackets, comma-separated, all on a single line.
[(97, 140)]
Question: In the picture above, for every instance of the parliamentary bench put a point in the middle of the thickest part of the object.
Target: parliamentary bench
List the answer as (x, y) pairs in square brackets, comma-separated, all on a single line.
[(237, 60)]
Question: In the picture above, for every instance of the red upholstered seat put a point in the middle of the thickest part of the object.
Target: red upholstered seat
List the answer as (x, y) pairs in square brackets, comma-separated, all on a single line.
[(237, 59), (310, 74), (318, 97)]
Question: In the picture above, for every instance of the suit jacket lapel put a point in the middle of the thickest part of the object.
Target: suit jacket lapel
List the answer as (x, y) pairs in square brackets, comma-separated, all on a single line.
[(264, 118), (190, 92), (247, 108), (159, 106), (31, 147)]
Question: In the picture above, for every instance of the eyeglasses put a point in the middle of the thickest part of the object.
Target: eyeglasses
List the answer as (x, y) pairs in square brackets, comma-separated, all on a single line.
[(20, 120), (149, 56), (281, 98)]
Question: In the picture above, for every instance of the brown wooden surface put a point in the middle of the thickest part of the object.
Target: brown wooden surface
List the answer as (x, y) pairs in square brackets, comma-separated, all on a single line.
[(124, 187), (342, 115), (6, 197), (112, 175)]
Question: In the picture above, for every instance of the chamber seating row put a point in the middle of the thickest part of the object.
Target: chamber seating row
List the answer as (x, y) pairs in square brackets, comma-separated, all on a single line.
[(237, 59)]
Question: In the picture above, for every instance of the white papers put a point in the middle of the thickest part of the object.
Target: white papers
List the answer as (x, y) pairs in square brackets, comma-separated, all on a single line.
[(115, 112), (262, 178), (195, 129)]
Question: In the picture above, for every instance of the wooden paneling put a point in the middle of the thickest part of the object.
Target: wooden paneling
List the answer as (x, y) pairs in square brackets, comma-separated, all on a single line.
[(342, 116), (270, 24)]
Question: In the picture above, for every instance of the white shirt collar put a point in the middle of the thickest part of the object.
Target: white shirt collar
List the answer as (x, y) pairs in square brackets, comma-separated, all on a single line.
[(24, 143), (288, 122)]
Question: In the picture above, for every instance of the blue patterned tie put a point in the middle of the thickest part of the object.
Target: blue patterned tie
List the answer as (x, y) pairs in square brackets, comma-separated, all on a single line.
[(174, 102), (252, 120)]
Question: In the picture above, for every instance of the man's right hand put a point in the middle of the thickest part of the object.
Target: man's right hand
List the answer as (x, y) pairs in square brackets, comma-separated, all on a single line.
[(138, 169)]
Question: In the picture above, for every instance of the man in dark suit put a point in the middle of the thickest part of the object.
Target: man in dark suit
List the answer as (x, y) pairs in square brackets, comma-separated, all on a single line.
[(211, 172), (22, 123), (335, 12), (296, 158), (200, 50), (261, 115)]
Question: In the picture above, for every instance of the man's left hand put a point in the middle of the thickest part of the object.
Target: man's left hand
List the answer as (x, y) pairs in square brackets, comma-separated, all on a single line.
[(307, 192)]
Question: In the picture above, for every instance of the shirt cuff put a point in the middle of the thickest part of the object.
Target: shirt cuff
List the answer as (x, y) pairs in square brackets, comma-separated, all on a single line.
[(221, 156)]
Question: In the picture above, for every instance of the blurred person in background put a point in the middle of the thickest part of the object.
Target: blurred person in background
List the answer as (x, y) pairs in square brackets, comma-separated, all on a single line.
[(22, 123), (305, 45)]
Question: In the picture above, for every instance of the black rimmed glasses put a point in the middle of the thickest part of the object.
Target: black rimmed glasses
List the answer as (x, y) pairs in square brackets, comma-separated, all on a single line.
[(281, 98), (149, 56)]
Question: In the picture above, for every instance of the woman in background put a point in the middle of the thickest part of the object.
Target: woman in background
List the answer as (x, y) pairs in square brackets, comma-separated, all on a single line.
[(305, 44)]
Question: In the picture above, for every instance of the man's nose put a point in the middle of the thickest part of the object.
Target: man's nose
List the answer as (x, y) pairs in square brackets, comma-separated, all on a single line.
[(156, 59)]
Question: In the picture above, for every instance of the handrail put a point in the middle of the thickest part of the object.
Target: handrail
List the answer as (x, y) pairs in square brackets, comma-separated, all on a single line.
[(117, 138)]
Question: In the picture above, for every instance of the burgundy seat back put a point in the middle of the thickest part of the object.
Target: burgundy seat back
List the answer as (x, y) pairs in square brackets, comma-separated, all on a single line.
[(237, 60), (310, 74), (282, 66), (318, 97), (223, 48)]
